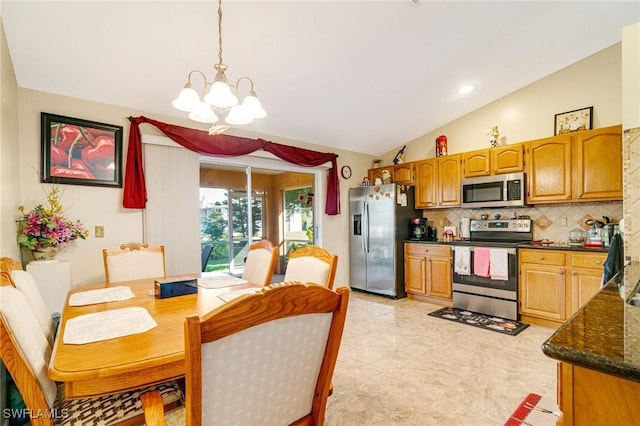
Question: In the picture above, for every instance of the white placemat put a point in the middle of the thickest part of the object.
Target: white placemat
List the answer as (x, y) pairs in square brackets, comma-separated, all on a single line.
[(230, 295), (107, 325), (219, 280), (108, 294)]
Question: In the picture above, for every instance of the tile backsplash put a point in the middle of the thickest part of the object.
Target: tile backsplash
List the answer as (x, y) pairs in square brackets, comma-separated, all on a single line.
[(550, 221)]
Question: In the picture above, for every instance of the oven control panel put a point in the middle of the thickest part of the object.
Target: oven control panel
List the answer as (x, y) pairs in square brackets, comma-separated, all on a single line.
[(506, 225)]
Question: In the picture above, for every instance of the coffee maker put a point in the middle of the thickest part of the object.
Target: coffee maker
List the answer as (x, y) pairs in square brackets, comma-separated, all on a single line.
[(418, 228)]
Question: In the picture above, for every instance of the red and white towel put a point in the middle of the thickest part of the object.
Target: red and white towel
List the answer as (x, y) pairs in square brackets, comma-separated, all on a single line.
[(491, 262)]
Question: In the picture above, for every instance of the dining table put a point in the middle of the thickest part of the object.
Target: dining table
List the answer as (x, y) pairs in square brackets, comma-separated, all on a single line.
[(132, 361)]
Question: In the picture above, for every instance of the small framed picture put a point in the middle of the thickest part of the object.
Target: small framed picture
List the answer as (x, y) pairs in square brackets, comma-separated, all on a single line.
[(573, 121), (80, 152)]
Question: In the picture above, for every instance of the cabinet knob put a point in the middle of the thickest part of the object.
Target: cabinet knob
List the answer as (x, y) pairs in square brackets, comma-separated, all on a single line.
[(567, 197), (598, 262), (579, 195), (574, 273), (561, 272), (541, 257)]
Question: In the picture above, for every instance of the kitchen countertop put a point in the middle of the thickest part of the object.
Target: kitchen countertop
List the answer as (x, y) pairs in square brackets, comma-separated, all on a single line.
[(604, 335), (555, 246)]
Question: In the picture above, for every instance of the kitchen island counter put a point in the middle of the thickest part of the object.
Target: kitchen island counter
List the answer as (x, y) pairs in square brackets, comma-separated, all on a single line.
[(604, 335)]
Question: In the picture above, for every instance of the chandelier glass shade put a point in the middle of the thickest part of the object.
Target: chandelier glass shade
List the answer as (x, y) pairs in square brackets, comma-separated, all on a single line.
[(219, 96)]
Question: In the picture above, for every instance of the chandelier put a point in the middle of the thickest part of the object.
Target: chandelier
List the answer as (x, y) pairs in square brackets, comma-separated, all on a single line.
[(222, 97)]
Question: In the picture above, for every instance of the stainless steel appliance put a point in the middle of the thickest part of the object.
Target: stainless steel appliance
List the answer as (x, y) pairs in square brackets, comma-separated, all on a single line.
[(506, 190), (476, 292), (378, 226)]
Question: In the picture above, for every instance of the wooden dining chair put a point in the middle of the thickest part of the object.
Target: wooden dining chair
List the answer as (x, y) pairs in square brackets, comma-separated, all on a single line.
[(26, 354), (133, 261), (260, 263), (263, 358), (8, 264), (312, 264)]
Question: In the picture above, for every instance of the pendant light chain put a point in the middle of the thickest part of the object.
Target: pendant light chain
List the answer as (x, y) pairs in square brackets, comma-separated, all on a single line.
[(222, 96), (220, 31)]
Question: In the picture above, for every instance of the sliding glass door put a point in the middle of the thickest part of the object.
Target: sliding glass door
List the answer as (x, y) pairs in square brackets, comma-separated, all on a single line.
[(224, 224)]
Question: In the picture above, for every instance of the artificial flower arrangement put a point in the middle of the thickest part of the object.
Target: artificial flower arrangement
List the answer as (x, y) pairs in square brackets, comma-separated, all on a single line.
[(45, 226)]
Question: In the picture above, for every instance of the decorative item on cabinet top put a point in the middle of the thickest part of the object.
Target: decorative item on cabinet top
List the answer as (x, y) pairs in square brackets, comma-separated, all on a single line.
[(573, 121)]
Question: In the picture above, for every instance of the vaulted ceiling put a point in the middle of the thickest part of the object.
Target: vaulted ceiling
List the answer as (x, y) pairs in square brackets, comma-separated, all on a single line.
[(365, 76)]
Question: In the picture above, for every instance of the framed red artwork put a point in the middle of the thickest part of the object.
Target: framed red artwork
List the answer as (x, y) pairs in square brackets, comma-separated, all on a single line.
[(80, 152)]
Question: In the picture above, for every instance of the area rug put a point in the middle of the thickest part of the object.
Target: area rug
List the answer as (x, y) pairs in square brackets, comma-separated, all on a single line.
[(487, 322)]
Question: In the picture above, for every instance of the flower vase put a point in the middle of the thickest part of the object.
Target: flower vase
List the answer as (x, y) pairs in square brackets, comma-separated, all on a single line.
[(46, 253)]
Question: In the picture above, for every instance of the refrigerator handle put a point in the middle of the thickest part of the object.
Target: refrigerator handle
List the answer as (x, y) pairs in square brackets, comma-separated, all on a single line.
[(365, 226)]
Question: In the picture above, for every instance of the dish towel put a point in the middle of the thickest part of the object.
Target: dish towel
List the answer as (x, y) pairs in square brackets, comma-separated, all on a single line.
[(461, 260), (499, 264), (481, 261)]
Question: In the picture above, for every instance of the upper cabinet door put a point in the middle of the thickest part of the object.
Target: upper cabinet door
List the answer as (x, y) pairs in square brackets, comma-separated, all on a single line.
[(449, 180), (426, 178), (549, 169), (476, 163), (598, 164), (403, 173), (507, 159)]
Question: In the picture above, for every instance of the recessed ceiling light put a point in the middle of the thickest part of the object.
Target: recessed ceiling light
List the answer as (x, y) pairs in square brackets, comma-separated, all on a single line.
[(467, 88)]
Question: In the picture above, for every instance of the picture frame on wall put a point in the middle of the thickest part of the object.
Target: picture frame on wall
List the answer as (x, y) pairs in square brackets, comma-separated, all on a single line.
[(573, 121), (80, 152)]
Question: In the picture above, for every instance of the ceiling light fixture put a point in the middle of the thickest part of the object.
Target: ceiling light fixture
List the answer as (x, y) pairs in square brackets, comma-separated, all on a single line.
[(467, 88), (222, 97)]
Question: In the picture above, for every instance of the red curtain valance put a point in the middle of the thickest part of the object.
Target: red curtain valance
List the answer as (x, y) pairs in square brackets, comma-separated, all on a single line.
[(200, 141)]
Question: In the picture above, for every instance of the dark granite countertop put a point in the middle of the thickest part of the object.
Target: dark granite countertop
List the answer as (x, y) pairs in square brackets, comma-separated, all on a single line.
[(558, 246), (604, 335)]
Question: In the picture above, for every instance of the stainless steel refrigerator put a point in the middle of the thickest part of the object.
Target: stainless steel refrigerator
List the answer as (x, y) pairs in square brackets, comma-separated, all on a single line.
[(379, 223)]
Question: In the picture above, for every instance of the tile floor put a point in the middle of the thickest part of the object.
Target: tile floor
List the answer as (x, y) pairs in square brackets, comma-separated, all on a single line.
[(399, 366)]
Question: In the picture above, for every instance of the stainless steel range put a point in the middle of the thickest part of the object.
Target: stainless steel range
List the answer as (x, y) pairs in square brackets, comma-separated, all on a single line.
[(485, 268)]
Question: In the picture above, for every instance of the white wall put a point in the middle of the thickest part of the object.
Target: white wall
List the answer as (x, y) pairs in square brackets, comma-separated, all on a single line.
[(528, 113), (9, 159), (103, 206)]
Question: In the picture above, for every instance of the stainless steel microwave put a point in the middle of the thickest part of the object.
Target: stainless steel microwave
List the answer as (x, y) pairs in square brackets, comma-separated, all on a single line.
[(494, 191)]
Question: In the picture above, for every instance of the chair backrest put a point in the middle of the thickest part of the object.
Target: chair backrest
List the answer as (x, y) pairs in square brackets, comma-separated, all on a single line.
[(312, 264), (24, 282), (265, 358), (133, 261), (8, 264), (260, 263), (206, 253), (5, 279), (26, 353)]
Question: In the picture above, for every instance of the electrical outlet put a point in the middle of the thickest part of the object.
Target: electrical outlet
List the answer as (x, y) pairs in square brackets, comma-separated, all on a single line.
[(563, 221), (99, 231)]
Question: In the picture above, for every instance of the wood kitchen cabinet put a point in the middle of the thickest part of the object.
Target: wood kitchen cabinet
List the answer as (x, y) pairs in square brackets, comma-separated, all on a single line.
[(589, 397), (428, 272), (476, 163), (426, 183), (449, 179), (493, 161), (548, 169), (437, 182), (507, 159), (598, 164), (377, 173), (403, 173), (554, 284), (582, 166)]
